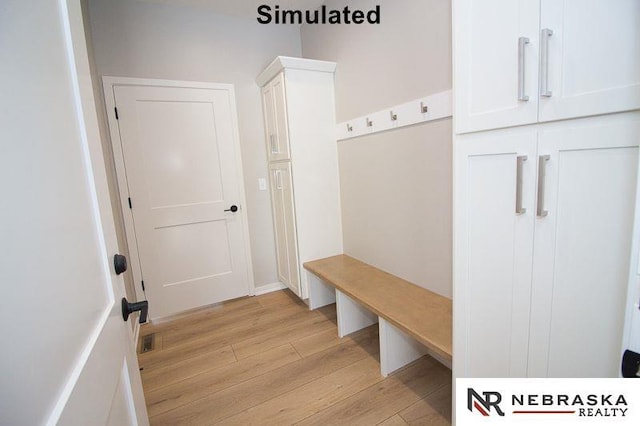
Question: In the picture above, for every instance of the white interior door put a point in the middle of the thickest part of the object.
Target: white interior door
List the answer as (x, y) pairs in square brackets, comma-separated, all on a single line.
[(582, 246), (68, 356), (183, 174), (494, 199), (495, 69), (594, 57)]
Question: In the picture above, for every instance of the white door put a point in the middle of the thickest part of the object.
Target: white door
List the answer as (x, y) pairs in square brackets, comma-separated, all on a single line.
[(593, 57), (67, 355), (494, 198), (285, 225), (582, 243), (183, 176), (496, 63)]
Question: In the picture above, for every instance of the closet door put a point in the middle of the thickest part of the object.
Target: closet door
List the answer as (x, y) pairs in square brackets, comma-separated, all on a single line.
[(285, 225), (494, 198), (585, 210), (496, 63), (593, 55)]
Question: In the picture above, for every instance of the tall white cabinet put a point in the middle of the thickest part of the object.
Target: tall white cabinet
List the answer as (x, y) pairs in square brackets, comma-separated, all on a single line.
[(544, 206), (299, 115)]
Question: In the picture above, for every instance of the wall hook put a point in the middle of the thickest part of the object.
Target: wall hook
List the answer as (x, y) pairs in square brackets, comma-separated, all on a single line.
[(349, 128), (369, 122), (394, 117), (423, 108)]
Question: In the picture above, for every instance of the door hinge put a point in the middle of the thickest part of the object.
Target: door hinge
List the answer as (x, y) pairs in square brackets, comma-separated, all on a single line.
[(116, 110), (143, 289), (130, 205)]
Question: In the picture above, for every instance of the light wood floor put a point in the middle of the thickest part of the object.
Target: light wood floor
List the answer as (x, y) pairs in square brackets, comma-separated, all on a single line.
[(268, 360)]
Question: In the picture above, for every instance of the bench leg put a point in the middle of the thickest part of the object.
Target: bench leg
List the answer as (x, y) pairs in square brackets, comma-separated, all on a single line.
[(351, 316), (320, 294), (397, 349)]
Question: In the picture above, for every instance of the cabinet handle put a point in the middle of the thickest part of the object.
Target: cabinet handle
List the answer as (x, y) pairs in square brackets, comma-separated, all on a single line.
[(542, 169), (274, 146), (278, 179), (544, 62), (519, 164), (522, 41)]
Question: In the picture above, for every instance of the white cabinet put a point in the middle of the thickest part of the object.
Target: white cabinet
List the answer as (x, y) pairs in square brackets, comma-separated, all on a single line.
[(523, 61), (543, 224), (299, 115)]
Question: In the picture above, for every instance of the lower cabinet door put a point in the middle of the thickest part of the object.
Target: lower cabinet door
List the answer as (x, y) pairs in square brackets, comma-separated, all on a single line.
[(277, 205), (494, 217), (583, 228), (285, 225)]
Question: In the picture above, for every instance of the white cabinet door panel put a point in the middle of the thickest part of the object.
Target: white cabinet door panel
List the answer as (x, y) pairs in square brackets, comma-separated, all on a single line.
[(486, 69), (279, 226), (281, 143), (493, 250), (594, 57), (582, 246), (285, 225)]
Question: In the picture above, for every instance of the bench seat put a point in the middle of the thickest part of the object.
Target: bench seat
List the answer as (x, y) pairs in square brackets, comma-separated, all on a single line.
[(422, 314)]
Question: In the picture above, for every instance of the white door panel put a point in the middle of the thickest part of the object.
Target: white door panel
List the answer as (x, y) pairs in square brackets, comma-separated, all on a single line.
[(179, 154), (581, 259), (61, 318), (486, 73), (493, 252), (594, 57)]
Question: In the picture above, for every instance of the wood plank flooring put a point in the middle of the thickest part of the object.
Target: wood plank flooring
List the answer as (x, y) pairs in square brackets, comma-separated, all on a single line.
[(268, 360)]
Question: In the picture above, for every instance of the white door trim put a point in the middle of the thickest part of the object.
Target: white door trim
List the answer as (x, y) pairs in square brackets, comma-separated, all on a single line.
[(108, 84)]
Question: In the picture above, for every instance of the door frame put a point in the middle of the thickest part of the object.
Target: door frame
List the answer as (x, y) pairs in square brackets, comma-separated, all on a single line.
[(109, 83)]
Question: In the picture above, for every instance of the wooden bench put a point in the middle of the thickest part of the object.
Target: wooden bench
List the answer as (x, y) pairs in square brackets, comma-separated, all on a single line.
[(413, 321)]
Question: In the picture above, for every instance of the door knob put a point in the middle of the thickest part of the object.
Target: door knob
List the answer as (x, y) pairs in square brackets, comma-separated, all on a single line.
[(232, 209), (128, 308), (119, 263)]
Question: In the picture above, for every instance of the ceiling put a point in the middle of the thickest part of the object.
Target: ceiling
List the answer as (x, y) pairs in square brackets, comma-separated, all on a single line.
[(242, 8)]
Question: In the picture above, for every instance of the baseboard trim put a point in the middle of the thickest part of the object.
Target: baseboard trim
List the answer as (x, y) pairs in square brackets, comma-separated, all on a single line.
[(268, 288)]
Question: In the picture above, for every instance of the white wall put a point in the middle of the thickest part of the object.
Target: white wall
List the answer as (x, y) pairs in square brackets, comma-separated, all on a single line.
[(156, 40), (396, 186)]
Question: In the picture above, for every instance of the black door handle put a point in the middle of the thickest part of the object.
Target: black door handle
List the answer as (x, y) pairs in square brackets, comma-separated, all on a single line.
[(232, 209), (128, 308), (119, 263)]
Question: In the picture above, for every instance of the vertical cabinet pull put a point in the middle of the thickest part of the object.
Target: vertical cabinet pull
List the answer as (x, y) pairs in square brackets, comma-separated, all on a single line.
[(544, 62), (542, 169), (519, 165), (278, 179), (522, 42)]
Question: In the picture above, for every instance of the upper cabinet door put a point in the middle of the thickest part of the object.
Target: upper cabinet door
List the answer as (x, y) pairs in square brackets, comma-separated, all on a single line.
[(495, 63), (280, 146), (270, 126), (593, 64)]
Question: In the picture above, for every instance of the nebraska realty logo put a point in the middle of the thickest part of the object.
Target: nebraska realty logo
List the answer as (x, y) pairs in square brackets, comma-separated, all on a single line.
[(590, 405), (558, 401)]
